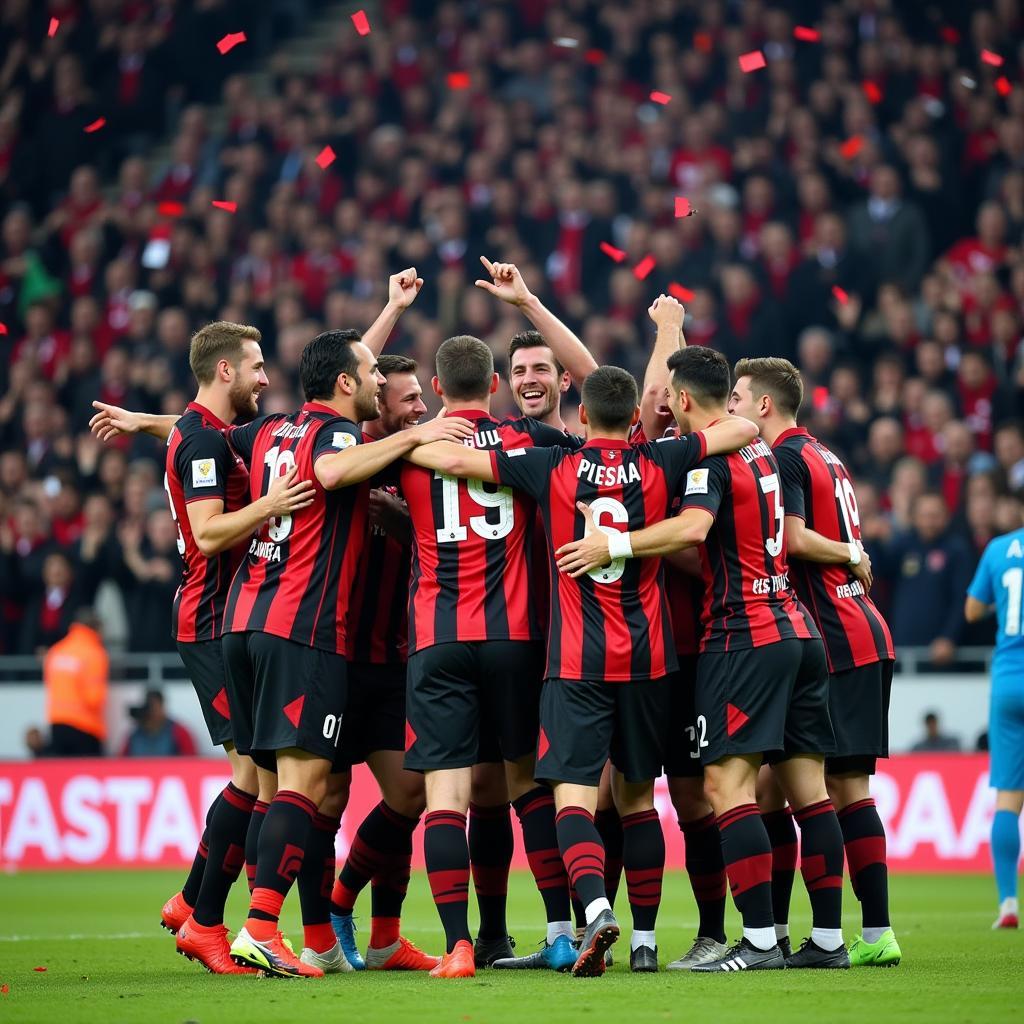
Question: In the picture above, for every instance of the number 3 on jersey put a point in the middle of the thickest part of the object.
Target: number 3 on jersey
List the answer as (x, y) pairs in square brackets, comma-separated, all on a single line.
[(278, 463), (452, 529), (770, 486)]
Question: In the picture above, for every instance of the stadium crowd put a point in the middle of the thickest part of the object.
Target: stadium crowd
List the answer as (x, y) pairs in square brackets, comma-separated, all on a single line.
[(858, 206)]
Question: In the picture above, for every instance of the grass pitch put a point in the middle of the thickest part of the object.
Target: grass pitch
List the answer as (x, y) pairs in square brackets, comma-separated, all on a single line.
[(107, 960)]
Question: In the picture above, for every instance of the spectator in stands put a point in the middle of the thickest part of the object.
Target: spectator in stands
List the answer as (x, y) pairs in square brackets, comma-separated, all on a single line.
[(51, 606), (150, 579), (76, 671), (934, 741), (155, 734)]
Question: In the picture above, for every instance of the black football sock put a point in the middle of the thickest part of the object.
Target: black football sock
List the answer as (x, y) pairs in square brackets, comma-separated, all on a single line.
[(381, 846), (446, 852), (491, 845), (582, 853), (190, 890), (609, 827), (706, 871), (283, 840), (394, 860), (864, 839), (252, 840), (314, 884), (536, 811), (227, 830), (821, 864), (748, 863), (782, 835), (643, 856)]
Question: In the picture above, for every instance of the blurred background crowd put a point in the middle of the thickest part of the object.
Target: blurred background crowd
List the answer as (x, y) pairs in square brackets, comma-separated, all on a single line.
[(859, 209)]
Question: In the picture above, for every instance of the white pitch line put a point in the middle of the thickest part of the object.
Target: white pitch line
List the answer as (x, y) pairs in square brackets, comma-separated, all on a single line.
[(83, 937)]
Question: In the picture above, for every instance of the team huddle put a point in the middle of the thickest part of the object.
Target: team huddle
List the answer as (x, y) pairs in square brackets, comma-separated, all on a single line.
[(498, 613)]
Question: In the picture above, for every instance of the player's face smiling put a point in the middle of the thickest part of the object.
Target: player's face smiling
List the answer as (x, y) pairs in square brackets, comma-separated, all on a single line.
[(400, 403), (741, 401), (250, 380), (371, 380), (536, 386)]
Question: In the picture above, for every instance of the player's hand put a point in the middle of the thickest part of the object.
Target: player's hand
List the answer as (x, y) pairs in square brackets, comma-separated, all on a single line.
[(403, 288), (506, 283), (287, 495), (387, 512), (445, 428), (666, 311), (112, 421), (862, 570), (581, 556)]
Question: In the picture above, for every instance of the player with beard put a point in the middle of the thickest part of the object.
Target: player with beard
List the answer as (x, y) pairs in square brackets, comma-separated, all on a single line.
[(208, 490)]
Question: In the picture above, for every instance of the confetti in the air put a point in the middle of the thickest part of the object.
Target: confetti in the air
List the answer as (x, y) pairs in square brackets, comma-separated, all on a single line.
[(458, 79), (683, 207), (230, 41), (3, 329), (752, 61), (820, 397), (851, 147), (806, 35), (4, 989), (988, 57), (95, 126), (873, 93), (567, 42), (612, 253), (170, 209), (594, 57), (326, 158), (224, 204), (660, 97), (840, 295), (361, 23), (950, 35), (41, 970), (643, 269), (1003, 86), (677, 291), (54, 25)]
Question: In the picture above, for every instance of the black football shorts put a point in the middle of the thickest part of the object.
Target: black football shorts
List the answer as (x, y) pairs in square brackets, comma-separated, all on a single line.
[(858, 702), (204, 662), (583, 724), (375, 715), (686, 733), (459, 693), (284, 695), (770, 700)]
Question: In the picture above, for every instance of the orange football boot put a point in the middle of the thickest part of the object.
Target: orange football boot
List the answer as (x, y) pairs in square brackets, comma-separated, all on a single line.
[(458, 963), (400, 956), (175, 913), (209, 946)]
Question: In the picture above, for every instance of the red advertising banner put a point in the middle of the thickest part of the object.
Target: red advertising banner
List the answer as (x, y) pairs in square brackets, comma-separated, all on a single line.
[(121, 813)]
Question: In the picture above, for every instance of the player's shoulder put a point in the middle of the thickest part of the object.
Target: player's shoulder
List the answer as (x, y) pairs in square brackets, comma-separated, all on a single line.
[(1008, 546)]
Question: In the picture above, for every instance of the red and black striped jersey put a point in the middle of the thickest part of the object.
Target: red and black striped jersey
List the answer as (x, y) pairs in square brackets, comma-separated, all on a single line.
[(200, 466), (378, 622), (612, 625), (296, 580), (472, 545), (685, 595), (748, 600), (817, 488)]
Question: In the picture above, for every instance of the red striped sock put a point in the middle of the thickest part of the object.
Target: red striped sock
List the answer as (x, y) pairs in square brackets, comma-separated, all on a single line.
[(643, 856), (582, 852), (748, 864), (821, 862), (536, 811), (446, 852)]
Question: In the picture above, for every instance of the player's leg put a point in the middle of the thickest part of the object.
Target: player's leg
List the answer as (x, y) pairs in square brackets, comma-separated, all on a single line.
[(778, 823), (1006, 854), (491, 846), (609, 825), (1006, 776), (266, 782)]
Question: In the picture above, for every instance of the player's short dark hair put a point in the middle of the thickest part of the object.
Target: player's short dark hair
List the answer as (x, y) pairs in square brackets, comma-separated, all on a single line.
[(389, 363), (776, 377), (324, 358), (610, 397), (465, 368), (531, 339), (214, 342), (702, 372)]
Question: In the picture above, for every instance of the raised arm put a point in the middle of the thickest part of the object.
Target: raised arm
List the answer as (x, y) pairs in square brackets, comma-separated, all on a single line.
[(454, 460), (508, 285), (811, 546), (403, 288), (112, 421), (667, 314)]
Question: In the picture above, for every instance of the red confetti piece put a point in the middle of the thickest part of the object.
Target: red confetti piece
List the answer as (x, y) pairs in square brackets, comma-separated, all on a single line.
[(950, 35), (223, 204), (4, 989), (594, 57), (820, 397), (806, 35), (326, 158), (677, 291), (361, 22), (643, 269), (610, 251), (683, 208), (169, 209), (988, 57), (458, 79), (840, 295), (54, 25), (1003, 86), (95, 126), (41, 970), (752, 61), (873, 93), (3, 329), (851, 147), (703, 42), (660, 97), (230, 41)]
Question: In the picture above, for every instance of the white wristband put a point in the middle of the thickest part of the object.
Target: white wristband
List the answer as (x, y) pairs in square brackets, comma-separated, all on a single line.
[(619, 545), (854, 554)]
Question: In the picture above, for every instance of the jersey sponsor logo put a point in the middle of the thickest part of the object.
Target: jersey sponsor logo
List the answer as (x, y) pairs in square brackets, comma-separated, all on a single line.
[(607, 476), (854, 589), (204, 473), (771, 584), (342, 439), (755, 450), (697, 481)]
